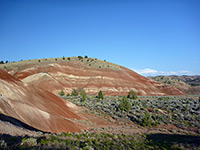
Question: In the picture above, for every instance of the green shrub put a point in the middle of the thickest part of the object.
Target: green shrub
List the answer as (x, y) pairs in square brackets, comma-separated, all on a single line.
[(68, 94), (62, 93), (186, 108), (146, 119), (100, 95), (124, 104), (63, 58), (29, 142), (83, 96), (132, 95), (69, 58), (86, 56), (74, 92)]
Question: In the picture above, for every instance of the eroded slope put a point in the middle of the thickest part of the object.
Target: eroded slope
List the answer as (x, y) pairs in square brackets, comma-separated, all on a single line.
[(37, 108), (91, 74)]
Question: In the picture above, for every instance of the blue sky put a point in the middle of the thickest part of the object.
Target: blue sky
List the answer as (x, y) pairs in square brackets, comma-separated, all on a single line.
[(152, 37)]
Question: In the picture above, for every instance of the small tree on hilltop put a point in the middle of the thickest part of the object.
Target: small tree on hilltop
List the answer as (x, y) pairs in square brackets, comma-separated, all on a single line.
[(100, 95), (62, 93), (80, 57), (74, 92), (132, 95)]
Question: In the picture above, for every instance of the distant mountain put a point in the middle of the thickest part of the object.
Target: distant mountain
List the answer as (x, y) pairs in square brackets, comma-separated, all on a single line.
[(185, 83)]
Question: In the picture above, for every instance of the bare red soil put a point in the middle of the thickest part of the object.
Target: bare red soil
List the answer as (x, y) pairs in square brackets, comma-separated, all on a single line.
[(28, 92), (67, 76), (37, 108)]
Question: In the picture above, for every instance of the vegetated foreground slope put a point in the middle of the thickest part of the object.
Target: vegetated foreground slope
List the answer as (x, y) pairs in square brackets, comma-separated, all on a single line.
[(181, 111), (188, 84), (88, 73)]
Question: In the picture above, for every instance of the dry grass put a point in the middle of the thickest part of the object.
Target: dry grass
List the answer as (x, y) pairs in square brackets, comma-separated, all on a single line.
[(87, 62)]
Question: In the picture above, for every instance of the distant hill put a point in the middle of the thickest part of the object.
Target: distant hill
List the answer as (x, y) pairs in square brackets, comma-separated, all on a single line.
[(191, 80), (188, 84)]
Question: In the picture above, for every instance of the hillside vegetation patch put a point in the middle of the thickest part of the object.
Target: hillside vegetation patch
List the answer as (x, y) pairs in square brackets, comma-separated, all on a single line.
[(183, 112)]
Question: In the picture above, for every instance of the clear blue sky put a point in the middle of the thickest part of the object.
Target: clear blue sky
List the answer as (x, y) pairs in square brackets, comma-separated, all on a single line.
[(149, 36)]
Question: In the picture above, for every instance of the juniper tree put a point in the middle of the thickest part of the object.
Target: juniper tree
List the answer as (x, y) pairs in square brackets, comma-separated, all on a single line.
[(62, 93), (74, 92), (83, 96), (124, 104), (132, 95), (100, 95)]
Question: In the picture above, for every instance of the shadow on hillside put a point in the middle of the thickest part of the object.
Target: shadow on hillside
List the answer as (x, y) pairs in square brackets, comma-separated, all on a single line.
[(12, 142), (17, 122), (174, 138)]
